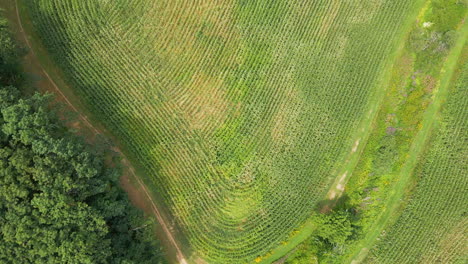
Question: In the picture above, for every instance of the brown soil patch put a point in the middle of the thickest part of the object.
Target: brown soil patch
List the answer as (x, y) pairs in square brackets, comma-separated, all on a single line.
[(325, 209), (356, 145), (134, 193), (334, 193)]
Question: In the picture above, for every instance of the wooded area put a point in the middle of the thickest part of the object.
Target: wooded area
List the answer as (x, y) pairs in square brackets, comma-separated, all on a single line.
[(60, 201)]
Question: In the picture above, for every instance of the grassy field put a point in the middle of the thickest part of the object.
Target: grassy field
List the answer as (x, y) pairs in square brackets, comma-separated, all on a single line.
[(433, 226), (388, 187), (242, 114), (379, 186)]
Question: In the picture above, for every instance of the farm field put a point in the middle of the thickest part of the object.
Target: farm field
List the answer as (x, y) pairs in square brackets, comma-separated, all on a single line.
[(246, 117), (433, 226), (383, 180), (61, 202)]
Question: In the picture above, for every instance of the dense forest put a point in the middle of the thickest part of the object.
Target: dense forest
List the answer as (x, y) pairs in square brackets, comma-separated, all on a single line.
[(60, 200)]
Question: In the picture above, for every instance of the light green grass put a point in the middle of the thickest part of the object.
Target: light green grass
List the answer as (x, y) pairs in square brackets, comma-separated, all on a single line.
[(432, 228), (415, 80), (393, 202)]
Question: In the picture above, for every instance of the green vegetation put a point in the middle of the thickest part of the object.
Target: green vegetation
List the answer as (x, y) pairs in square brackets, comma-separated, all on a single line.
[(243, 111), (243, 115), (10, 74), (329, 239), (433, 226), (383, 176), (60, 200)]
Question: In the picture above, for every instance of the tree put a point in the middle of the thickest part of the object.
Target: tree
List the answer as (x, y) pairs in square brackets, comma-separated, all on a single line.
[(9, 54), (59, 201), (335, 228)]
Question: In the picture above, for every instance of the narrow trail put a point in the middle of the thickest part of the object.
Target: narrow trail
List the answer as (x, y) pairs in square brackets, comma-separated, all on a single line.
[(125, 161), (365, 128), (416, 149)]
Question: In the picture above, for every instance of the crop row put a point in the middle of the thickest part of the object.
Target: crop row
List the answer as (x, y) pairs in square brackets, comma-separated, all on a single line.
[(238, 112), (433, 226)]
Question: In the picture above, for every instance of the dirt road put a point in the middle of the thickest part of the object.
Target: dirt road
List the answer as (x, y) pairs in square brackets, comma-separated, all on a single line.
[(156, 212)]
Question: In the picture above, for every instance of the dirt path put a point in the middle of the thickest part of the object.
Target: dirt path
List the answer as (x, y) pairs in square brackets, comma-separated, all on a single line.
[(366, 126), (125, 161), (392, 205)]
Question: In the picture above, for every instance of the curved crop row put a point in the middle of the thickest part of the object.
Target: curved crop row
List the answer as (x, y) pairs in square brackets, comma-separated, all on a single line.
[(241, 110)]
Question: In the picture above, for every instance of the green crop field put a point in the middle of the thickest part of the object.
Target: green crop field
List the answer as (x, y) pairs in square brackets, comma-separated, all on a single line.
[(433, 227), (382, 185), (243, 114)]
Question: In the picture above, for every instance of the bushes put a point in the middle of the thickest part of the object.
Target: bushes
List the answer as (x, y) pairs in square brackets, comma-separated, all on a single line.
[(333, 232), (335, 228), (10, 52), (59, 203)]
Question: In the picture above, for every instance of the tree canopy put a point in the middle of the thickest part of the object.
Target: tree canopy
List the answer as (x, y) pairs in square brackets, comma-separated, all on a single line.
[(60, 202)]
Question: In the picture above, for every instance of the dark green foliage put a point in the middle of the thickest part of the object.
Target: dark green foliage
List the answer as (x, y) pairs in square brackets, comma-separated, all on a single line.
[(10, 52), (333, 231), (59, 201)]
